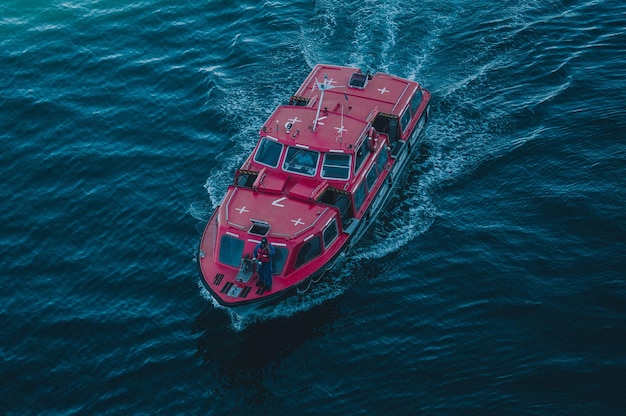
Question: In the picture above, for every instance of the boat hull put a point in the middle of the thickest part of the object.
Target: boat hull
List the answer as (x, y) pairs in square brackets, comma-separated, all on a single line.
[(307, 195), (244, 307)]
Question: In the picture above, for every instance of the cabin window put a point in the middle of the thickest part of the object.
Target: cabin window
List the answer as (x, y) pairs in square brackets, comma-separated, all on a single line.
[(301, 161), (405, 120), (361, 155), (371, 178), (416, 101), (278, 259), (336, 166), (381, 161), (268, 152), (309, 250), (231, 250), (330, 233), (359, 196)]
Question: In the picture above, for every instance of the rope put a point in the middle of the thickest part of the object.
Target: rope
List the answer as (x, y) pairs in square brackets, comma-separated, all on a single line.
[(302, 292)]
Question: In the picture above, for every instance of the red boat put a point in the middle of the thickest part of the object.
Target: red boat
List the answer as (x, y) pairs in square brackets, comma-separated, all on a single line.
[(322, 169)]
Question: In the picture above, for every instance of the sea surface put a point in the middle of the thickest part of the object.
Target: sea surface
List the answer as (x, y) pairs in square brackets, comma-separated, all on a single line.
[(494, 283)]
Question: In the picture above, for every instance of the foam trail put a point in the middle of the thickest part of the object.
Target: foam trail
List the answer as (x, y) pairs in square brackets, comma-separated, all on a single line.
[(459, 137)]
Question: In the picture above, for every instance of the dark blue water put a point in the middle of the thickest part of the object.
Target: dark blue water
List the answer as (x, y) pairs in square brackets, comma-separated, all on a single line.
[(494, 283)]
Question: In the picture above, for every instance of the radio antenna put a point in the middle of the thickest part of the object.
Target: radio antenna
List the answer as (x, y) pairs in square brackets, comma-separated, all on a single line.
[(322, 86)]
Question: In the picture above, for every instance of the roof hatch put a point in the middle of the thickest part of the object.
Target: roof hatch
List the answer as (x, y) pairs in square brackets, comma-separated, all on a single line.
[(259, 227), (358, 80)]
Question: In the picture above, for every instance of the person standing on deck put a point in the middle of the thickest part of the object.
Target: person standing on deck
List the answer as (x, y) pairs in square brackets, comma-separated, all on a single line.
[(264, 252)]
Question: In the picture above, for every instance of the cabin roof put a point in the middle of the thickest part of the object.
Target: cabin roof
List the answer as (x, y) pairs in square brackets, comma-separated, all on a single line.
[(350, 102), (390, 93), (333, 130), (289, 216)]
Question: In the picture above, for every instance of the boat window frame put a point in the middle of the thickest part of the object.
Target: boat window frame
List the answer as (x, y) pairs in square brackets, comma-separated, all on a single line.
[(416, 101), (278, 259), (371, 181), (268, 139), (364, 150), (359, 196), (302, 149), (324, 165), (381, 161), (405, 123), (333, 224), (226, 250), (411, 109), (307, 258)]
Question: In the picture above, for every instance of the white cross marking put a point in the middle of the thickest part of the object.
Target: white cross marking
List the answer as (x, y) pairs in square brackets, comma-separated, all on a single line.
[(319, 120), (340, 129), (383, 90), (294, 120), (297, 222), (242, 210)]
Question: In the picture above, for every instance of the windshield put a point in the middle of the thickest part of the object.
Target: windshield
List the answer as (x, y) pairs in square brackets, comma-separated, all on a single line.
[(301, 161), (268, 153)]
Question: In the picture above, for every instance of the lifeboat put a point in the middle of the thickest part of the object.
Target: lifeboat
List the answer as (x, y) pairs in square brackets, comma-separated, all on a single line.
[(321, 171)]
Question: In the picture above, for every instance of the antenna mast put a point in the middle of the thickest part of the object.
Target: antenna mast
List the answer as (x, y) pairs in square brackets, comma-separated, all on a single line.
[(322, 86)]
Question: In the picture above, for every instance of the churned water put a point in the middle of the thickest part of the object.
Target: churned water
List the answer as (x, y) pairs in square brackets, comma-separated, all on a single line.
[(493, 283)]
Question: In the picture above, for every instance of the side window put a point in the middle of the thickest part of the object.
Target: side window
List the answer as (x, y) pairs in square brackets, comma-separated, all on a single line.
[(330, 233), (381, 161), (336, 166), (361, 155), (371, 178), (405, 120), (416, 101), (309, 250), (231, 250), (359, 196), (268, 152), (279, 259)]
